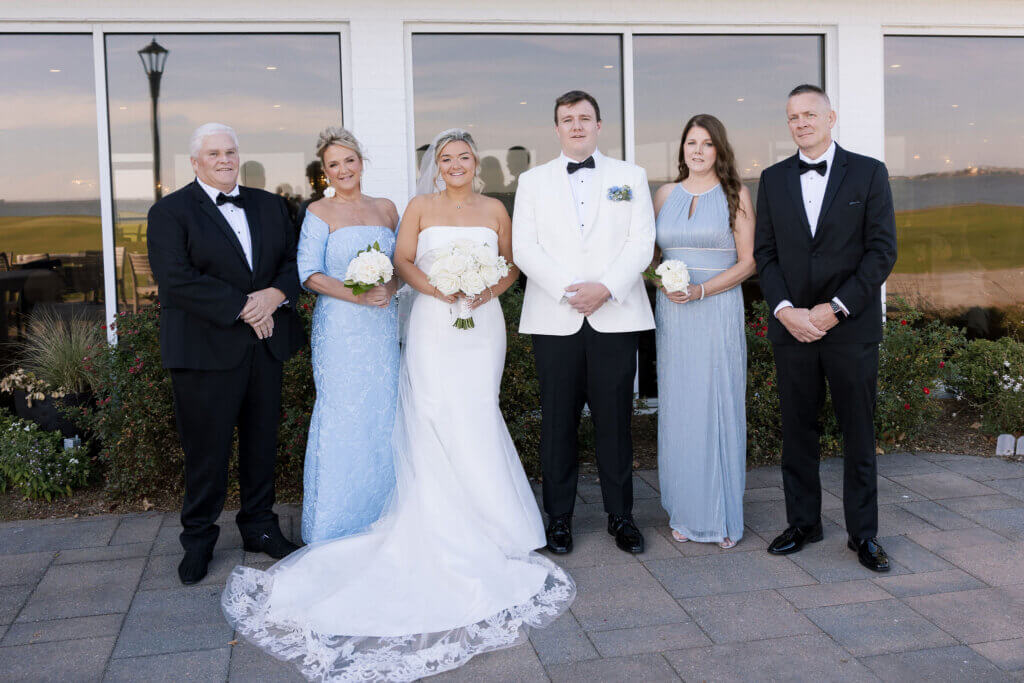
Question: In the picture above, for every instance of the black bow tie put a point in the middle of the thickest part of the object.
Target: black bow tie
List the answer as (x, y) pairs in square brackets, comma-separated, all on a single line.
[(573, 166), (234, 199), (820, 167)]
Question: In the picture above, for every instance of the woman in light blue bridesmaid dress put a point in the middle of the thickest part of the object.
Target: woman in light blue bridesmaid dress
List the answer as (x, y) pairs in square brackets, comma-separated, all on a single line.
[(349, 473), (705, 219)]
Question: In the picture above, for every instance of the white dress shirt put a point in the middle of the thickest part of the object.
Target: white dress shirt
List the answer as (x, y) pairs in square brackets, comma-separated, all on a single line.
[(812, 189), (235, 216), (582, 185)]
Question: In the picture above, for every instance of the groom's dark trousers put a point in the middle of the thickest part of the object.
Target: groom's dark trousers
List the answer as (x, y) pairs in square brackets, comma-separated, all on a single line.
[(223, 376), (596, 368), (849, 256)]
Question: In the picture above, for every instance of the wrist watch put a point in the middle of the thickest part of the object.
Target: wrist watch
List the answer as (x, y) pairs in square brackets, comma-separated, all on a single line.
[(837, 310)]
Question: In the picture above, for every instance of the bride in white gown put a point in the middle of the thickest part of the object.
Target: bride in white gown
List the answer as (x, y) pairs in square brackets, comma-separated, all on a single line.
[(448, 571)]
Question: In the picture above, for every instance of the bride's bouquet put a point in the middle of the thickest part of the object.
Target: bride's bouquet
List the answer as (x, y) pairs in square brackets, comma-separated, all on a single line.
[(673, 275), (467, 267), (369, 268)]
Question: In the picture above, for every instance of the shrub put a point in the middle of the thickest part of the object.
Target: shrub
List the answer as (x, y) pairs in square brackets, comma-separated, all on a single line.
[(989, 375), (54, 347), (520, 389), (35, 463), (298, 394)]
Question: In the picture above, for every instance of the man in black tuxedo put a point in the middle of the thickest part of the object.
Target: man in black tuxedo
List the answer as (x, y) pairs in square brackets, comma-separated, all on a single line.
[(824, 245), (224, 260)]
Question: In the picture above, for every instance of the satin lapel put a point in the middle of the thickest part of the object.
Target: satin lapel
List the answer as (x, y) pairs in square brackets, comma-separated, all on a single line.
[(255, 229), (560, 181), (793, 183), (211, 210), (835, 178), (595, 197)]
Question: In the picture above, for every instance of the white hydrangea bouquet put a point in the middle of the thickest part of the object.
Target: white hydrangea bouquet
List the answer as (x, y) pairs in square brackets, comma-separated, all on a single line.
[(369, 268), (467, 267), (672, 274)]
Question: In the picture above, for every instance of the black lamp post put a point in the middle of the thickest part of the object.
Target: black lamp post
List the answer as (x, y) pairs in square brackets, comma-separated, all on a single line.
[(153, 57)]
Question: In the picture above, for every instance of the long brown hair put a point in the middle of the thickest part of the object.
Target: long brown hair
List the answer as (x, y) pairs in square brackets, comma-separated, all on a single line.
[(725, 161)]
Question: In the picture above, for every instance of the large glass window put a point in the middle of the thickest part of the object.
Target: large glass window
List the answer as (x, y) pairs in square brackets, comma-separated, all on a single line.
[(276, 91), (954, 147), (502, 88), (50, 236)]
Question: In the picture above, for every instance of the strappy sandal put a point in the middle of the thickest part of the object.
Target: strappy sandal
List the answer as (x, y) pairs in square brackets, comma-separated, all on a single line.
[(727, 543), (678, 537)]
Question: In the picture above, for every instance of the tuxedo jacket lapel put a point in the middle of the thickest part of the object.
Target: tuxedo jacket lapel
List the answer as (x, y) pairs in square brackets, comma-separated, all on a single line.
[(835, 178), (796, 193), (214, 214)]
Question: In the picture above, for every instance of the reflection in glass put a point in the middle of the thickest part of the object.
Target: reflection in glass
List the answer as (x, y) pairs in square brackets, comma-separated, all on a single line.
[(954, 147), (50, 236), (502, 89), (276, 91)]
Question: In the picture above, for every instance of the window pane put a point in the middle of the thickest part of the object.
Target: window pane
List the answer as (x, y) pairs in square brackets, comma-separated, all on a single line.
[(502, 89), (954, 145), (49, 186), (276, 91)]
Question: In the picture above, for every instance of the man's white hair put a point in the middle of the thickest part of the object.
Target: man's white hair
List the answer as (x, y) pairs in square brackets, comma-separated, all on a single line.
[(196, 143)]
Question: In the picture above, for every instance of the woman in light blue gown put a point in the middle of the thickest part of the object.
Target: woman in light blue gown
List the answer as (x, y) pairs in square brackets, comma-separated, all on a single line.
[(705, 219), (349, 473)]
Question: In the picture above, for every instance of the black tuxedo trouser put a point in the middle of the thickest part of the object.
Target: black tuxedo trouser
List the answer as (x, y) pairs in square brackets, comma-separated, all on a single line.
[(852, 374), (596, 368), (208, 404)]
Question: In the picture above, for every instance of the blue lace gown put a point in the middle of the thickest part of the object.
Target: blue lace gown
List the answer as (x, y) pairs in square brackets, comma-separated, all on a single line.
[(702, 370), (349, 473)]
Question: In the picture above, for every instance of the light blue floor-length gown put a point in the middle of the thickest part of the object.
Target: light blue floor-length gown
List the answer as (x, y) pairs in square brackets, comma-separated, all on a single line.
[(702, 369), (349, 472)]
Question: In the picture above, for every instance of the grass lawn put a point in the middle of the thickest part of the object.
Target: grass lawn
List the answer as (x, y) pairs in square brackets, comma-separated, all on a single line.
[(63, 234), (960, 238)]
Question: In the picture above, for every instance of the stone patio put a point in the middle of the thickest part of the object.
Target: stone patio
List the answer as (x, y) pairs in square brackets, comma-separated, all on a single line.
[(98, 598)]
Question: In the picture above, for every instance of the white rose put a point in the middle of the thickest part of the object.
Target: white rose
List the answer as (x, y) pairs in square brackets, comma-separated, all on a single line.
[(675, 277), (446, 283), (385, 269), (472, 282), (456, 263), (490, 275), (363, 270), (502, 266), (485, 255)]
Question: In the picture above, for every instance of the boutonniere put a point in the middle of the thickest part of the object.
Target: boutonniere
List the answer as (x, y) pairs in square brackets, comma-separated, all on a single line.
[(620, 194)]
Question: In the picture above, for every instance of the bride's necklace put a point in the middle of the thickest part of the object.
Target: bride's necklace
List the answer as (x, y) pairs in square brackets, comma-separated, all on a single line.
[(458, 204)]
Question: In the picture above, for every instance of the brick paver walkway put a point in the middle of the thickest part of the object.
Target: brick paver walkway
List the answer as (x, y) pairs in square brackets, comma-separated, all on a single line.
[(98, 598)]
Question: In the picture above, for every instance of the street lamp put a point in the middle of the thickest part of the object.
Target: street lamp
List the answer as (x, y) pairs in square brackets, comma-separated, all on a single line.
[(153, 57)]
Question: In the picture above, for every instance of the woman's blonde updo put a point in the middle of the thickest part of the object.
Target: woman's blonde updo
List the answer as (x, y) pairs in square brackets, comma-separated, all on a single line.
[(336, 135)]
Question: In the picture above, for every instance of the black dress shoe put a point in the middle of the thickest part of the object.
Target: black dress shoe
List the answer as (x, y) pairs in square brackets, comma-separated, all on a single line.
[(793, 539), (559, 534), (627, 536), (870, 554), (193, 566), (271, 541)]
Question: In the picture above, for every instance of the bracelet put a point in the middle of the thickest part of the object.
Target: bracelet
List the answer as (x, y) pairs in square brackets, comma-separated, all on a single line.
[(489, 289), (701, 293)]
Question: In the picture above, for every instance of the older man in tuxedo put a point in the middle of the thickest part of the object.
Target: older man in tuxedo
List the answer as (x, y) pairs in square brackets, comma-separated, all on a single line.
[(825, 242), (224, 260)]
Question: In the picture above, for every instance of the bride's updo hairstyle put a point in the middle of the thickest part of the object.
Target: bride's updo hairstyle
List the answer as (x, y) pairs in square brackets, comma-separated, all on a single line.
[(336, 135), (456, 135)]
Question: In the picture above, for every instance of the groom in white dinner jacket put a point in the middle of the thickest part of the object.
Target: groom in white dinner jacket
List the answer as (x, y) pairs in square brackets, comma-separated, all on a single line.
[(583, 233)]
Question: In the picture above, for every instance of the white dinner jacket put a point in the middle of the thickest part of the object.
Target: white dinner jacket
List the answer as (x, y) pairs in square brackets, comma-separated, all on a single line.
[(551, 248)]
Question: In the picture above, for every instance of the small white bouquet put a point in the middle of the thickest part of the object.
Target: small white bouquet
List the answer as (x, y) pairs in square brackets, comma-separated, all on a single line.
[(369, 268), (470, 268), (673, 275)]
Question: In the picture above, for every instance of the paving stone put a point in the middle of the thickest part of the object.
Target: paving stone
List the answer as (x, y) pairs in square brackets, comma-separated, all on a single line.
[(589, 489), (747, 616), (658, 545), (799, 658), (602, 604), (897, 464), (137, 528), (593, 549), (74, 660), (648, 668), (872, 628), (518, 663), (957, 663), (101, 553), (763, 494), (79, 590), (1009, 522), (996, 565), (764, 476), (634, 641), (748, 543), (687, 577), (965, 506), (175, 620), (985, 469), (944, 485), (912, 556), (765, 516), (649, 476), (74, 628), (11, 600), (249, 663), (646, 512), (37, 538), (162, 570), (937, 515), (167, 539), (927, 583), (892, 519), (24, 568), (1014, 487), (890, 492), (1008, 655), (941, 457), (562, 641), (975, 616), (821, 595), (588, 518), (941, 541), (201, 665), (831, 561)]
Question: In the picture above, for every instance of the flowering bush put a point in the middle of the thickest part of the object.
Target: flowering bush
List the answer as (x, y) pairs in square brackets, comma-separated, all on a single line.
[(35, 463), (989, 375)]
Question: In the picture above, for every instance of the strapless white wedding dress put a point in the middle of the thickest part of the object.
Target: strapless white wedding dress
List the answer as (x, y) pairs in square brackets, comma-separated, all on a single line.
[(448, 571)]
